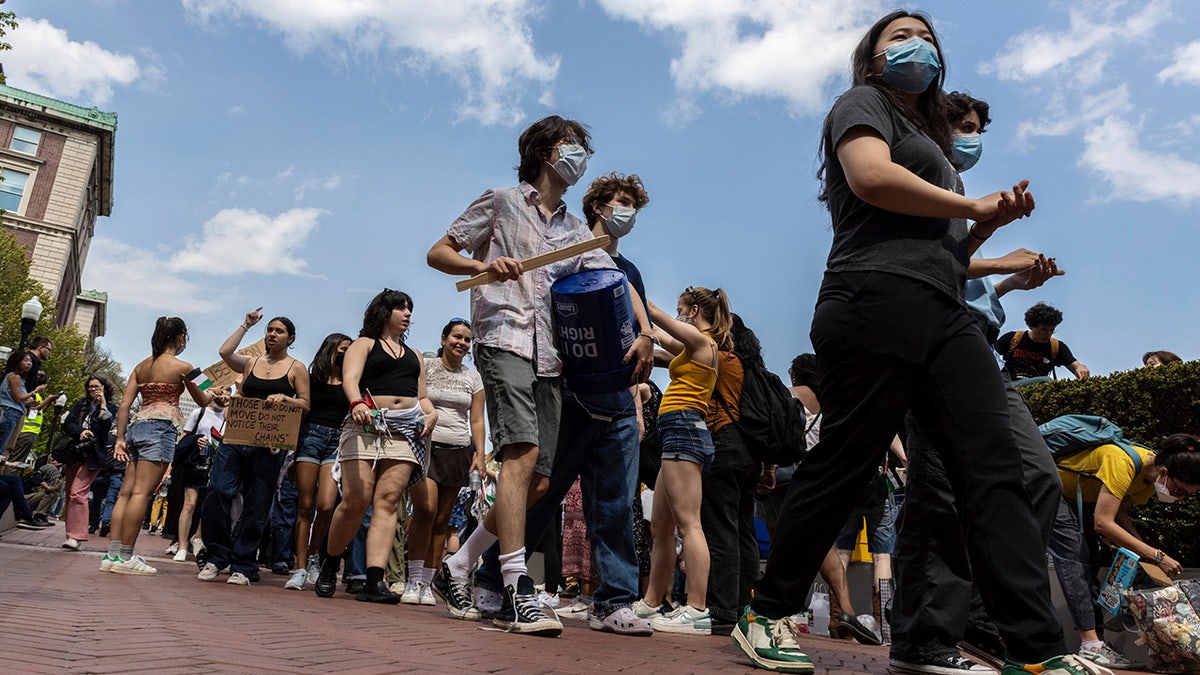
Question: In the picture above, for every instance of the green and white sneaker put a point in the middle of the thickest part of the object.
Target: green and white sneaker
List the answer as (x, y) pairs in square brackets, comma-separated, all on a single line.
[(106, 563), (770, 644), (687, 621), (135, 566), (1068, 664)]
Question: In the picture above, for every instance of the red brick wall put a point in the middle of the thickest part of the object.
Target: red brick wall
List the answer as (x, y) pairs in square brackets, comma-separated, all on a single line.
[(6, 133), (50, 150), (26, 239)]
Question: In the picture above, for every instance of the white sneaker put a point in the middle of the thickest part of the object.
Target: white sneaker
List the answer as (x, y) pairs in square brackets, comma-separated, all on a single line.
[(688, 621), (238, 579), (208, 572), (427, 598), (412, 593), (181, 555), (1106, 656), (313, 568), (296, 582), (106, 563), (197, 545), (172, 549), (579, 610), (135, 566), (549, 600), (71, 543), (644, 611)]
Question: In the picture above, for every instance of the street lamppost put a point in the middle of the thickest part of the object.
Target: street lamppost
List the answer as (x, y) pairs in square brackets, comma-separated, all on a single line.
[(31, 311)]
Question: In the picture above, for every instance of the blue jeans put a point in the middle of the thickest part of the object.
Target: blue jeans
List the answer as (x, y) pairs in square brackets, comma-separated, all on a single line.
[(115, 480), (355, 565), (253, 473), (10, 420), (11, 492), (283, 519), (603, 455)]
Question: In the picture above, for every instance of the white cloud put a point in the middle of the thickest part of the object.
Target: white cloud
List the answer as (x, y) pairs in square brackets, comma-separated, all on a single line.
[(327, 183), (1082, 50), (236, 110), (1186, 67), (233, 242), (237, 241), (789, 49), (137, 276), (1112, 150), (1061, 120), (45, 60), (483, 46)]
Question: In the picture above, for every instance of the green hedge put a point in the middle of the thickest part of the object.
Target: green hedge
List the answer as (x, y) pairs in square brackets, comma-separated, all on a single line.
[(1148, 404)]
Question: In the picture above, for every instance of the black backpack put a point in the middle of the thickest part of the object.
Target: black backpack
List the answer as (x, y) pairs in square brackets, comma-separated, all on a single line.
[(772, 420)]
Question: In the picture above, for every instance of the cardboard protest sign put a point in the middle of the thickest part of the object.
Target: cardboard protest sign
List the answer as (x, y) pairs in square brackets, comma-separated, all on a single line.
[(221, 376), (258, 422)]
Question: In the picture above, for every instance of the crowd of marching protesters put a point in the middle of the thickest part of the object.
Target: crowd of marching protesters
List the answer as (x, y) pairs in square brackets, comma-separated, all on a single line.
[(402, 489)]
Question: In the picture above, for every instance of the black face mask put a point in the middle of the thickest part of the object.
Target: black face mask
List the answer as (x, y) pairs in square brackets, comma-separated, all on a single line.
[(338, 358)]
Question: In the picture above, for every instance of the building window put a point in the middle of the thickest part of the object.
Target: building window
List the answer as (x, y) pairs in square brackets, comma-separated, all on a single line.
[(12, 189), (26, 140)]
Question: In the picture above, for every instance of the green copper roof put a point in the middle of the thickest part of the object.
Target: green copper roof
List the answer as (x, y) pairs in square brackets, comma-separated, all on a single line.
[(93, 117), (99, 296)]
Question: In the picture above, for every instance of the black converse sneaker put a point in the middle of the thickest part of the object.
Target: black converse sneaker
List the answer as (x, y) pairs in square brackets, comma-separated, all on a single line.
[(456, 593), (523, 613)]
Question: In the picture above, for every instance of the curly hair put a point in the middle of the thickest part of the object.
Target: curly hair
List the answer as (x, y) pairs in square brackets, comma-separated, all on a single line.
[(804, 373), (1042, 314), (959, 104), (603, 189)]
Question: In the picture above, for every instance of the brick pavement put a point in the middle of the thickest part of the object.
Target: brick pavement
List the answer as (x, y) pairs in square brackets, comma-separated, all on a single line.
[(59, 614)]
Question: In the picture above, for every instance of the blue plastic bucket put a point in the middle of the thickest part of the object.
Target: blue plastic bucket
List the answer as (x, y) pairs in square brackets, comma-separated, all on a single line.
[(594, 320)]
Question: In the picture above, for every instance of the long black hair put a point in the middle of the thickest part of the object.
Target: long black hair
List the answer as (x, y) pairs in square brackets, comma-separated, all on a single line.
[(928, 115), (321, 368), (745, 344), (166, 331), (379, 310), (804, 373)]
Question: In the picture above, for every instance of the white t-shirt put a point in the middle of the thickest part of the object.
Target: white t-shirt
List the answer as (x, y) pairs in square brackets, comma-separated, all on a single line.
[(451, 392), (204, 425)]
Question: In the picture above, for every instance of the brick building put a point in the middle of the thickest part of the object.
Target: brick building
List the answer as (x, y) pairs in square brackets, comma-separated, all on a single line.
[(56, 162)]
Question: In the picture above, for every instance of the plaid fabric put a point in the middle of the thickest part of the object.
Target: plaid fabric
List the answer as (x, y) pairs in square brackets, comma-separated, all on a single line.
[(515, 316)]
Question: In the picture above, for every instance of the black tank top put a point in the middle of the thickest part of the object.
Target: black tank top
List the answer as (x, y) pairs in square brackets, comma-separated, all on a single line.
[(256, 387), (329, 404), (384, 375)]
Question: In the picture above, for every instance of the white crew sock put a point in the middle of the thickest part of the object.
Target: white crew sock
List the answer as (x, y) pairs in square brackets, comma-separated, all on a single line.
[(414, 570), (512, 566), (476, 545)]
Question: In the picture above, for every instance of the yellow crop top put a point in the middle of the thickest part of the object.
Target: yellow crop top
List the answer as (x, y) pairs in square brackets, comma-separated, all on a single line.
[(691, 385)]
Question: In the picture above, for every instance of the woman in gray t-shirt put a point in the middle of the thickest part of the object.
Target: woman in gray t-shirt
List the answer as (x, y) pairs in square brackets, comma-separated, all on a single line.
[(891, 332)]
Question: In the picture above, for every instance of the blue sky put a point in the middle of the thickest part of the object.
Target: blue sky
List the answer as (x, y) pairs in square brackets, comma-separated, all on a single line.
[(302, 154)]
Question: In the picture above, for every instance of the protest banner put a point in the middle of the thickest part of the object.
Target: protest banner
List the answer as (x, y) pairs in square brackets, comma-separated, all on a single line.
[(221, 376), (261, 423)]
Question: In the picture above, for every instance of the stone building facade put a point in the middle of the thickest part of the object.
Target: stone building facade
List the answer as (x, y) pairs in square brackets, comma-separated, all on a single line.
[(56, 165)]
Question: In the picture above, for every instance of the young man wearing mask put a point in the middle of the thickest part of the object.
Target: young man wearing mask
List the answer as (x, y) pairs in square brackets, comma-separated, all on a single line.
[(516, 353), (598, 439)]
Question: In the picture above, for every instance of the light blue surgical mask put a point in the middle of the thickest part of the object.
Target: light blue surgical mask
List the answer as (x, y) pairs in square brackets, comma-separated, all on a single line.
[(912, 65), (621, 221), (572, 162), (967, 149)]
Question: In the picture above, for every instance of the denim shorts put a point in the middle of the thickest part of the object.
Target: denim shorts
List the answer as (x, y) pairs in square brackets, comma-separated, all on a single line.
[(685, 437), (318, 444), (881, 527), (151, 441)]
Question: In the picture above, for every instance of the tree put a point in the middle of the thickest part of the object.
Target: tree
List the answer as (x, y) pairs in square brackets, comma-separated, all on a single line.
[(8, 21), (65, 367), (98, 359)]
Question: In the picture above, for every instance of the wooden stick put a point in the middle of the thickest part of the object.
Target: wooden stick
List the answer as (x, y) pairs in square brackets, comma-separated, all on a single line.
[(539, 261)]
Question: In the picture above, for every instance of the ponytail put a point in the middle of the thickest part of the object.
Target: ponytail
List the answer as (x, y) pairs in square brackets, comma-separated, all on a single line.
[(714, 306), (166, 331)]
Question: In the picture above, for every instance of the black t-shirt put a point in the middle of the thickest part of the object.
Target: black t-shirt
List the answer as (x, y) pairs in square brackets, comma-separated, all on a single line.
[(634, 276), (1029, 358), (867, 238)]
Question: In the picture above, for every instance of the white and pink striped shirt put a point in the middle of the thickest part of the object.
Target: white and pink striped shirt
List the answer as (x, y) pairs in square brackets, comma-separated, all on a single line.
[(515, 315)]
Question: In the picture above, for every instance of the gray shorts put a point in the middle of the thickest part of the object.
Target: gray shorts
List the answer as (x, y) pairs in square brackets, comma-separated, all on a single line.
[(521, 407)]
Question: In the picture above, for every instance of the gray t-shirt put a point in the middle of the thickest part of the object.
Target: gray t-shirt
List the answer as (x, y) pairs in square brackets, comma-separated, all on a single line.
[(870, 239)]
